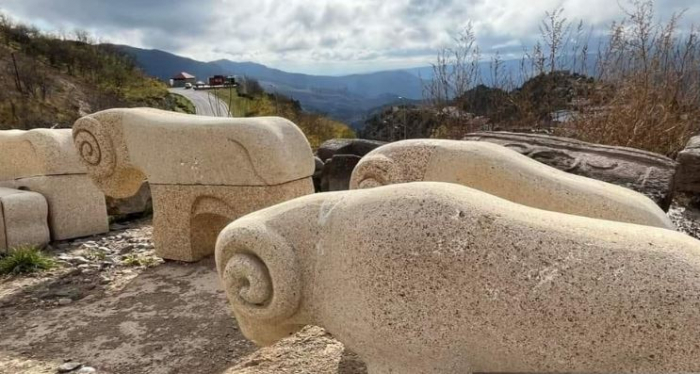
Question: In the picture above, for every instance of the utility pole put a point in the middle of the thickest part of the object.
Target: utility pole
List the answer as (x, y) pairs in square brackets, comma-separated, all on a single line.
[(405, 125)]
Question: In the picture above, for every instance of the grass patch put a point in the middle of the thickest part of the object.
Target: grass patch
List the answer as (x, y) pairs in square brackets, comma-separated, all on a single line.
[(238, 105), (95, 254), (180, 104), (136, 260), (24, 260)]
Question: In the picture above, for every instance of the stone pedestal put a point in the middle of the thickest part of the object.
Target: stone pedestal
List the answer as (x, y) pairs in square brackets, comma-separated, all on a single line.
[(23, 219)]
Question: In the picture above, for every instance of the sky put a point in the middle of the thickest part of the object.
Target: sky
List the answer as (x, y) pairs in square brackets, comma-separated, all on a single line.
[(329, 37)]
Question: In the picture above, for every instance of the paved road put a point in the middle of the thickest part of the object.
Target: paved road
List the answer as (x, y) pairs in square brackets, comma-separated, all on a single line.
[(205, 102)]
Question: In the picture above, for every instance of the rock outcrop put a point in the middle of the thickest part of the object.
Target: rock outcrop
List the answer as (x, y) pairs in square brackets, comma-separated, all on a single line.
[(440, 278), (507, 174), (203, 172), (645, 172)]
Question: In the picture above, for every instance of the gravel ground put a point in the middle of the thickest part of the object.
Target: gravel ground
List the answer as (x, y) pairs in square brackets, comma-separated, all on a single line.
[(686, 219), (115, 307)]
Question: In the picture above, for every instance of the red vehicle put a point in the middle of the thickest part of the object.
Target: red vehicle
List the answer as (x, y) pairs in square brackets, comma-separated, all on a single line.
[(217, 80)]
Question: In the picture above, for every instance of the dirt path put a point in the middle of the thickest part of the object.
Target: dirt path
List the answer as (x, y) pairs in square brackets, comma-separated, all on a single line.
[(169, 317), (172, 318)]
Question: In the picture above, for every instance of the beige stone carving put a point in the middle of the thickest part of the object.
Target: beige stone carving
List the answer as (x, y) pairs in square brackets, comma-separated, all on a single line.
[(203, 172), (45, 161), (23, 219), (507, 174), (439, 278)]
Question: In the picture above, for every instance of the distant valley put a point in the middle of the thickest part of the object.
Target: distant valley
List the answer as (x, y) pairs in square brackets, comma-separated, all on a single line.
[(346, 98)]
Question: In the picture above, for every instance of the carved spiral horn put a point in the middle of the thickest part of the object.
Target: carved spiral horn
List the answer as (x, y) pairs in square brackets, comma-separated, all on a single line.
[(99, 141), (259, 271), (375, 171), (95, 147)]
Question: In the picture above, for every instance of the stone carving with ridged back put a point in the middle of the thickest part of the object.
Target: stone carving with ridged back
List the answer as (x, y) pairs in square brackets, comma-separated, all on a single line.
[(45, 161), (203, 172), (431, 277), (506, 173)]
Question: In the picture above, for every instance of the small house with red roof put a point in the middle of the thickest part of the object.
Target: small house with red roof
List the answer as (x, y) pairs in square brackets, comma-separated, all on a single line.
[(180, 80)]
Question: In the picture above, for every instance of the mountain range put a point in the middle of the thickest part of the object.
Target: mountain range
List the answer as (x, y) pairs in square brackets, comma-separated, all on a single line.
[(346, 98)]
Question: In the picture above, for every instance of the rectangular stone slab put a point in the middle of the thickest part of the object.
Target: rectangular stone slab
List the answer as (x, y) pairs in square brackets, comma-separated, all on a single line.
[(77, 207), (23, 219), (648, 173)]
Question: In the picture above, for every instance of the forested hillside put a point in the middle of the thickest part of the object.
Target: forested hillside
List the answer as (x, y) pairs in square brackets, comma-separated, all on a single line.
[(51, 80), (255, 102)]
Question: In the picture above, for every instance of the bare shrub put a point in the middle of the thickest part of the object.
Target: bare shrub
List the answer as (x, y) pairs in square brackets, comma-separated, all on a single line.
[(648, 94), (641, 89)]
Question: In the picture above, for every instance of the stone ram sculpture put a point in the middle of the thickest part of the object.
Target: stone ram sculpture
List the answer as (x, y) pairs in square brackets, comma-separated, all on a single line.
[(505, 173), (203, 172), (439, 278), (45, 161)]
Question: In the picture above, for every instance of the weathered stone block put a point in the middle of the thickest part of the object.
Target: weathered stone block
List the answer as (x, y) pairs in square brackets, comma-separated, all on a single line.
[(139, 203), (46, 162), (203, 171), (337, 172), (507, 174), (357, 147), (23, 219), (76, 206), (439, 278), (648, 173), (340, 157), (688, 174)]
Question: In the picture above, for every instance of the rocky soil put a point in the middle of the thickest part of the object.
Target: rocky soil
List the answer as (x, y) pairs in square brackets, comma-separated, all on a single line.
[(686, 219), (113, 306)]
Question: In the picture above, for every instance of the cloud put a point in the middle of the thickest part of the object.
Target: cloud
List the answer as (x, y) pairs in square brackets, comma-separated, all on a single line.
[(317, 36)]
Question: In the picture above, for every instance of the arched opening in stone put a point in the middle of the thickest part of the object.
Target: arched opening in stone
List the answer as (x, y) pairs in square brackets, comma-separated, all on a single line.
[(204, 229)]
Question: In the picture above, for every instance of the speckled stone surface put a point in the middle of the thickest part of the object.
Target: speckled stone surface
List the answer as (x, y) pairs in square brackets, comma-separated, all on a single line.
[(77, 207), (439, 278), (37, 152), (203, 171), (121, 147), (45, 161), (505, 173), (23, 219), (187, 219)]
